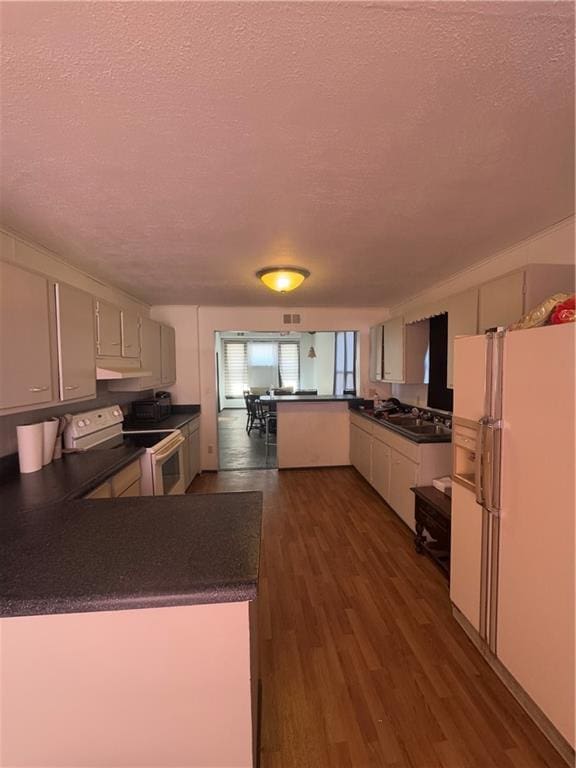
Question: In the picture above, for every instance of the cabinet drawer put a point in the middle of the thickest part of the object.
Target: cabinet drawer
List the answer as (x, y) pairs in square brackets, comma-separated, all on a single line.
[(361, 422), (125, 478)]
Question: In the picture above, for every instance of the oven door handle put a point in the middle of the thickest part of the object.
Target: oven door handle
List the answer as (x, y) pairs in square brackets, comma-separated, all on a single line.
[(170, 449)]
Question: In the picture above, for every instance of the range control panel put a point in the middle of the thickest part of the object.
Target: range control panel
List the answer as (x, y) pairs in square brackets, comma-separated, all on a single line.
[(92, 427)]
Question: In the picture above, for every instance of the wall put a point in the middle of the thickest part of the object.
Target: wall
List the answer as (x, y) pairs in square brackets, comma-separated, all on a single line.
[(212, 319), (555, 245), (31, 256)]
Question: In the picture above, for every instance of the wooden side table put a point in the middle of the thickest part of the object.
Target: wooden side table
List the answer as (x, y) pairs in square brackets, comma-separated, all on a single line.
[(433, 519)]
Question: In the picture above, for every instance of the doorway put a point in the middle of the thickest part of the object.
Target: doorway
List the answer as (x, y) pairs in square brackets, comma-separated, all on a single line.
[(252, 364)]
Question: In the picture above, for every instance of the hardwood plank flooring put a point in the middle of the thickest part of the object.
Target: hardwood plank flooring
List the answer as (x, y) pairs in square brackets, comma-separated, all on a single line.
[(361, 662)]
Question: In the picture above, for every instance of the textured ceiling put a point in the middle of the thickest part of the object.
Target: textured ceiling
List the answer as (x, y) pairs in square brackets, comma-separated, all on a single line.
[(175, 148)]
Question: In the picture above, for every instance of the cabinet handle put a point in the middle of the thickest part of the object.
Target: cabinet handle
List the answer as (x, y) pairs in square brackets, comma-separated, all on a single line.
[(37, 389), (114, 343), (72, 386), (128, 346)]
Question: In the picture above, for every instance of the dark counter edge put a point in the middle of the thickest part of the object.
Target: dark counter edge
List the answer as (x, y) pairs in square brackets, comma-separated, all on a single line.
[(401, 431), (229, 593)]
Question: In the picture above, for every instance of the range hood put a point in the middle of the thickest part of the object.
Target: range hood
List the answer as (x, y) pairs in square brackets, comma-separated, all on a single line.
[(111, 372)]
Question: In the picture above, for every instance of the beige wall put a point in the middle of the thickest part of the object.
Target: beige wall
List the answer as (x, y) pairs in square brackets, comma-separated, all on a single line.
[(28, 255)]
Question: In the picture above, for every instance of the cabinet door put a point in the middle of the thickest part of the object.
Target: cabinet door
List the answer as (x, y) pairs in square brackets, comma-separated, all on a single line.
[(194, 448), (151, 351), (25, 348), (109, 329), (403, 476), (168, 338), (393, 346), (381, 468), (501, 301), (130, 334), (361, 451), (376, 353), (466, 554), (132, 490), (103, 491), (76, 348), (462, 321), (186, 463)]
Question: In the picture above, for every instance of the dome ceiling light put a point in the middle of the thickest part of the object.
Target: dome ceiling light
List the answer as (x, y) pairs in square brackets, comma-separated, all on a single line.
[(282, 279)]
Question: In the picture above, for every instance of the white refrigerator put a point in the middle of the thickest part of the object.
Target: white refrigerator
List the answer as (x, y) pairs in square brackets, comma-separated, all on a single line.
[(513, 511)]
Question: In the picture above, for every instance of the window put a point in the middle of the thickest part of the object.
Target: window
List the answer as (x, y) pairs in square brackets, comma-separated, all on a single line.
[(345, 362), (260, 363), (235, 369), (289, 364)]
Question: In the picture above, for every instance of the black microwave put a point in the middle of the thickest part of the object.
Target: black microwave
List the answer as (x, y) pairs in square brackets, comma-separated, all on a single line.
[(153, 409)]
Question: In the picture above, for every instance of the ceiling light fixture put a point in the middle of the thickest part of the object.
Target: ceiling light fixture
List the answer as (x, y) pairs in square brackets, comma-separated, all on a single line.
[(282, 279)]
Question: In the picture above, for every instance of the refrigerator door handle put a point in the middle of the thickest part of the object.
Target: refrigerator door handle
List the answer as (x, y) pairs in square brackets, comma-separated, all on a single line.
[(491, 466), (479, 456)]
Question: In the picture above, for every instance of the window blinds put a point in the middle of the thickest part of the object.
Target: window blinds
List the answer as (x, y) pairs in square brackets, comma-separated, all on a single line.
[(289, 364), (235, 369)]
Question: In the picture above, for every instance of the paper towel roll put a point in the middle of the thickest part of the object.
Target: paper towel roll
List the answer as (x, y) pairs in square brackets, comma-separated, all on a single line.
[(50, 430), (30, 445)]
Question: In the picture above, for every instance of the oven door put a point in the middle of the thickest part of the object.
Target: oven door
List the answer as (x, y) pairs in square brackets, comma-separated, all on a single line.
[(168, 466)]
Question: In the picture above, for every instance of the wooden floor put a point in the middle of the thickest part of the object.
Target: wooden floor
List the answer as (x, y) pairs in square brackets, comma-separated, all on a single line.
[(362, 663)]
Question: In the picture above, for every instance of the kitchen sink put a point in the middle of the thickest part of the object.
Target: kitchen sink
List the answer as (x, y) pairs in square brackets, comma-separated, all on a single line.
[(429, 429)]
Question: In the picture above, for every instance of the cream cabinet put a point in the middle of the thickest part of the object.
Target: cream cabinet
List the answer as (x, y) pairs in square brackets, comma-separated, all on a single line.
[(108, 329), (129, 323), (462, 321), (151, 351), (404, 350), (375, 362), (168, 346), (403, 476), (503, 301), (126, 482), (381, 463), (76, 348), (393, 464), (191, 449), (361, 450), (26, 354)]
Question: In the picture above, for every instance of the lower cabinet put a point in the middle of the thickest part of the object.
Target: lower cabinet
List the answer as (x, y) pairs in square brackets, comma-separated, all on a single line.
[(361, 451), (381, 459), (393, 464), (123, 483), (191, 450), (403, 476)]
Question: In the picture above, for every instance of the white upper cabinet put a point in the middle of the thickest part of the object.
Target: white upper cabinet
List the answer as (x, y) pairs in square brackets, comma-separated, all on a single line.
[(76, 342), (375, 373), (501, 301), (109, 330), (462, 321), (168, 341), (151, 356), (393, 350), (25, 338), (130, 334), (404, 351)]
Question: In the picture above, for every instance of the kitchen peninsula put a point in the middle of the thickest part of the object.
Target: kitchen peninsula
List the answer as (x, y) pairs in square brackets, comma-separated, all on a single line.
[(127, 630), (312, 430)]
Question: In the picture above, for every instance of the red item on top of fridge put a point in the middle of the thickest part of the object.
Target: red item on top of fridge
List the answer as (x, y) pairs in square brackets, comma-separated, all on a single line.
[(564, 312)]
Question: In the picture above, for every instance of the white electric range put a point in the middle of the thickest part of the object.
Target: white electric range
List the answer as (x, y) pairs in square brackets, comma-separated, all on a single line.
[(162, 465)]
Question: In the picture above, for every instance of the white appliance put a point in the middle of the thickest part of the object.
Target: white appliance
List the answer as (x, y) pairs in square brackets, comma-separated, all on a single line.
[(162, 464), (513, 510)]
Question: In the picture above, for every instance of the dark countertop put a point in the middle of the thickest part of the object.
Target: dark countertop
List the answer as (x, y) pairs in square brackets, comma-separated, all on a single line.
[(70, 477), (309, 398), (415, 438), (130, 552), (176, 419)]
